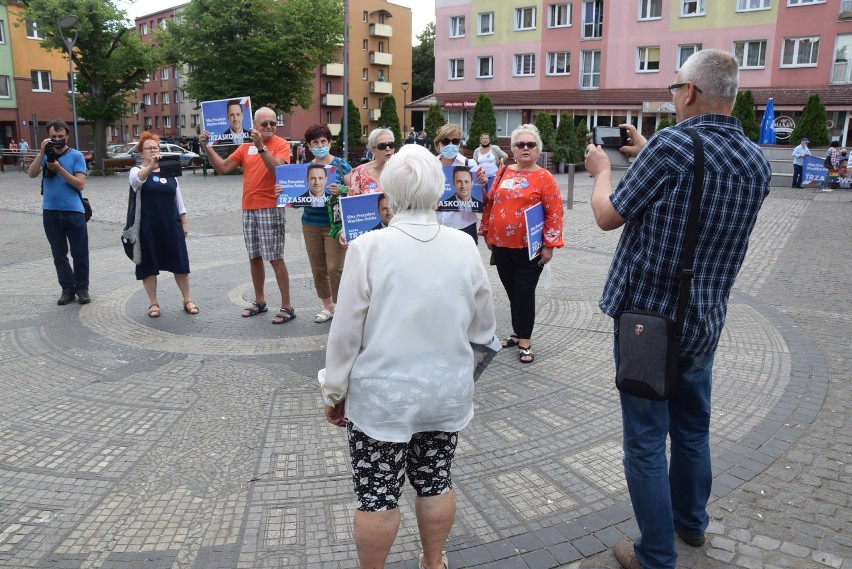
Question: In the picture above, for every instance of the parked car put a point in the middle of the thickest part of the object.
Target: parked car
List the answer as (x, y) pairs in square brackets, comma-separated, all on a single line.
[(186, 157), (87, 156)]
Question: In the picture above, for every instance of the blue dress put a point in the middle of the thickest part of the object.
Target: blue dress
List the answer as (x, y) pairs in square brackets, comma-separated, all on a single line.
[(160, 232)]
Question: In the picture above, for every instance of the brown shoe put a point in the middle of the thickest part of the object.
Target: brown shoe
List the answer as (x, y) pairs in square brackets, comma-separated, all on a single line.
[(625, 555), (691, 540)]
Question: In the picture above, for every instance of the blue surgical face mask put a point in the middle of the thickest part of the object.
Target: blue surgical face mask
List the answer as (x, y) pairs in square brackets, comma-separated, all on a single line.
[(321, 151), (450, 151)]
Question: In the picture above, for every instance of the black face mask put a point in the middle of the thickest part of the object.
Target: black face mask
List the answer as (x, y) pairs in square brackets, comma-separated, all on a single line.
[(486, 144), (59, 144)]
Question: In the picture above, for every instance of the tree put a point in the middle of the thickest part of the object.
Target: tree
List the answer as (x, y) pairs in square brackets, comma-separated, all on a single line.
[(665, 122), (744, 110), (434, 120), (423, 64), (582, 134), (389, 118), (545, 129), (354, 122), (482, 122), (813, 124), (566, 148), (110, 60), (265, 49)]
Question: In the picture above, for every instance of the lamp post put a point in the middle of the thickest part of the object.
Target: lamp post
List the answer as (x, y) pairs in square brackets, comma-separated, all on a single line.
[(404, 91), (65, 23)]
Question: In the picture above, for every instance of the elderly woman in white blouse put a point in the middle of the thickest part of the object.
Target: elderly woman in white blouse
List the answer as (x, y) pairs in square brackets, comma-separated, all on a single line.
[(399, 372)]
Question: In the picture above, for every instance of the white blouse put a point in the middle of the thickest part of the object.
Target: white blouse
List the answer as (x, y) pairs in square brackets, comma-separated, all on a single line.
[(136, 183), (412, 300)]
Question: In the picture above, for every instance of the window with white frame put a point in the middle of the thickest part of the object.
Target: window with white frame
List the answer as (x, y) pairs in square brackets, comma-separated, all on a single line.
[(183, 95), (650, 9), (803, 2), (157, 121), (484, 67), (365, 45), (648, 59), (148, 123), (558, 63), (457, 27), (841, 71), (524, 65), (457, 69), (193, 121), (146, 99), (364, 130), (76, 84), (328, 118), (685, 51), (143, 29), (136, 130), (800, 52), (164, 73), (134, 108), (485, 21), (156, 98), (590, 70), (750, 54), (592, 19), (692, 7), (365, 16), (749, 5), (40, 80), (5, 87), (167, 121), (176, 70), (183, 121), (33, 32), (165, 97), (176, 95), (365, 73), (525, 18), (559, 15), (2, 31)]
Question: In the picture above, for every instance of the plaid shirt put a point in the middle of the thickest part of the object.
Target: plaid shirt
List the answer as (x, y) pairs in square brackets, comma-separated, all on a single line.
[(654, 196)]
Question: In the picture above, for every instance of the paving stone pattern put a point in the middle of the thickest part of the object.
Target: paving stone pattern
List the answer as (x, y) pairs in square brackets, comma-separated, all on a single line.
[(199, 441)]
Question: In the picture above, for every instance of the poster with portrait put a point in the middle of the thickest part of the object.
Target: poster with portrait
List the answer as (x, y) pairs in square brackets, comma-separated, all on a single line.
[(462, 192), (363, 213), (534, 217), (303, 186), (228, 121), (813, 172)]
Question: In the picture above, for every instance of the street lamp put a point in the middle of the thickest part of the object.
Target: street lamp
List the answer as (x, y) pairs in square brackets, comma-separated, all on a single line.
[(404, 90), (64, 24)]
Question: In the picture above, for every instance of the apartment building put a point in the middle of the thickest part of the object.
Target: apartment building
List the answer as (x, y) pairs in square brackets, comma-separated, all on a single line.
[(609, 62)]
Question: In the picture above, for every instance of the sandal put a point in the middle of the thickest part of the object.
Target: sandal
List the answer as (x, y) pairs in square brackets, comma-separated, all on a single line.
[(255, 309), (190, 307), (510, 342), (324, 316), (284, 315), (154, 311), (525, 355), (443, 560)]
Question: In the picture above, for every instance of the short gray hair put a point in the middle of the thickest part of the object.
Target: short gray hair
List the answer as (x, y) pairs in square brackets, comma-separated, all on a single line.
[(262, 109), (412, 179), (713, 71), (376, 133), (526, 129)]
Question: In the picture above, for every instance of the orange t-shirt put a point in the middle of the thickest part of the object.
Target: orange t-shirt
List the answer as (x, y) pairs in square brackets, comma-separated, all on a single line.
[(258, 181)]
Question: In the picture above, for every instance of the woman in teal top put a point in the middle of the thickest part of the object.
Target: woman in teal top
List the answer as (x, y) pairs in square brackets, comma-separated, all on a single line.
[(325, 253)]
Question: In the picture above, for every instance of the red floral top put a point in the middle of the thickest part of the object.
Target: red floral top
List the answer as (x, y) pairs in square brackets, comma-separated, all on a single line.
[(503, 222), (362, 183)]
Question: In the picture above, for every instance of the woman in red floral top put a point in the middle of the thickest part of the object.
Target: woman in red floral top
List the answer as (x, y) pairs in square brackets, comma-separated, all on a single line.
[(516, 188)]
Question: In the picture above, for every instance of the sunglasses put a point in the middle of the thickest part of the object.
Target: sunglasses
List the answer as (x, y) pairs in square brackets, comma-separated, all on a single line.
[(522, 145), (385, 146), (448, 141), (267, 123)]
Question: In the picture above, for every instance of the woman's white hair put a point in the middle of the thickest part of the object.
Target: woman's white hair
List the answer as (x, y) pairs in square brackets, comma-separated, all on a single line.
[(412, 179), (376, 133), (526, 129)]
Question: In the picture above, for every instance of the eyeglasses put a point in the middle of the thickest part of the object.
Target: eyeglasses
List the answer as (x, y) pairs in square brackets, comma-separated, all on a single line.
[(448, 141), (385, 146), (150, 148), (267, 123), (522, 145), (675, 86)]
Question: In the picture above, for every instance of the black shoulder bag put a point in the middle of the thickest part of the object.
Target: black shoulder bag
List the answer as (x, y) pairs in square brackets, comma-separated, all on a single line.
[(649, 342)]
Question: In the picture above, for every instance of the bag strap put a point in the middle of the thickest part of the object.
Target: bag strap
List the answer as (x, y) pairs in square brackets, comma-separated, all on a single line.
[(498, 178), (687, 258)]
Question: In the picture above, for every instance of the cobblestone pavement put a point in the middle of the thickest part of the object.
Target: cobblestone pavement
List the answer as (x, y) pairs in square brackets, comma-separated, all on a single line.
[(199, 442)]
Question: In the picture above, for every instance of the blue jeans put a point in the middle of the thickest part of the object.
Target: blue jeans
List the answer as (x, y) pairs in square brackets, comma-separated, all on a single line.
[(675, 495), (67, 230)]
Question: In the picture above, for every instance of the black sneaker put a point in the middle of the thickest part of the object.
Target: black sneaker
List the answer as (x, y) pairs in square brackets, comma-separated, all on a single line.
[(67, 296), (83, 296)]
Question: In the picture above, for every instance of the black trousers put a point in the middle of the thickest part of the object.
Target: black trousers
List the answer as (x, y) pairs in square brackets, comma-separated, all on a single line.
[(519, 276)]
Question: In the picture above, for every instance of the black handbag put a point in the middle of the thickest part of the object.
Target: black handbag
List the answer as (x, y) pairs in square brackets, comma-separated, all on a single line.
[(130, 233), (828, 162), (649, 342)]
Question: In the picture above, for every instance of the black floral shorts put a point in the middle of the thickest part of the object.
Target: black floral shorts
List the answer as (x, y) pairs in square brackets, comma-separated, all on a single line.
[(379, 467)]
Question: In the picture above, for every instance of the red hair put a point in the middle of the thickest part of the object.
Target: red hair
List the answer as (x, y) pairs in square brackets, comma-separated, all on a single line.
[(145, 137)]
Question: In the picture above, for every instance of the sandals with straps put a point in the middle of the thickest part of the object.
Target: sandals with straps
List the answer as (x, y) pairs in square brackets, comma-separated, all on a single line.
[(154, 311), (525, 355), (190, 307), (255, 309), (284, 315)]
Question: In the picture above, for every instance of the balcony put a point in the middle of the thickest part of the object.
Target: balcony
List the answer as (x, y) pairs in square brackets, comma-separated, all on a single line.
[(381, 58), (381, 30), (383, 87), (333, 70), (841, 73), (375, 114), (334, 128), (332, 100)]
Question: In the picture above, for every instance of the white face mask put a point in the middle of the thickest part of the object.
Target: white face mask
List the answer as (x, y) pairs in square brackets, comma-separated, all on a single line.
[(449, 151)]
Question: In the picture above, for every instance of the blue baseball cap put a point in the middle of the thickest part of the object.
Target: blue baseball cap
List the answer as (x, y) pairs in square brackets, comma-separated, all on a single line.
[(805, 140)]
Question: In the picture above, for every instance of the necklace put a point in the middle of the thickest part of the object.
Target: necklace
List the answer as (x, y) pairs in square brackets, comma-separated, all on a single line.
[(413, 237)]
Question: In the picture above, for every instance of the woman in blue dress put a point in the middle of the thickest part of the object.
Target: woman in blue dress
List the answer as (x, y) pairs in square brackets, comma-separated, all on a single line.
[(162, 226)]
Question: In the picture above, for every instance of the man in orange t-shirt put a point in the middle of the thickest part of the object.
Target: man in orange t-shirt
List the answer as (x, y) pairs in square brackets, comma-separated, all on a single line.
[(263, 221)]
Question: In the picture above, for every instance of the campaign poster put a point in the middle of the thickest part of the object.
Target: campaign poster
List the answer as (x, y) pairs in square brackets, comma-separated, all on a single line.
[(534, 216), (813, 172), (464, 193), (228, 121), (301, 187), (363, 213)]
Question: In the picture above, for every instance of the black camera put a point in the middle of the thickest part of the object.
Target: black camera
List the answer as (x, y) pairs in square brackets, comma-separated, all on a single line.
[(50, 152)]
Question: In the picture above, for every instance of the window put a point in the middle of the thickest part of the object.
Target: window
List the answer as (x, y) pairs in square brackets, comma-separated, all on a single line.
[(648, 59), (328, 119), (146, 99), (157, 122), (143, 29), (156, 98), (525, 18), (176, 94), (748, 5), (134, 108), (166, 97), (524, 64), (800, 52), (484, 67), (365, 103), (590, 70), (365, 45), (5, 90), (193, 121), (457, 69), (486, 23), (559, 16), (148, 123), (164, 73), (365, 74), (41, 80), (558, 63), (176, 73), (33, 32), (136, 130), (364, 130), (381, 47), (365, 16), (457, 27), (592, 19), (183, 121), (650, 9), (802, 2), (163, 23), (684, 51), (841, 73), (75, 85), (167, 121), (2, 31), (750, 54), (692, 8)]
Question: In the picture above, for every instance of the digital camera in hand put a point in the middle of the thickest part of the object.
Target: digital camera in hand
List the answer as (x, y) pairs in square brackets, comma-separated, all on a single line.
[(50, 152)]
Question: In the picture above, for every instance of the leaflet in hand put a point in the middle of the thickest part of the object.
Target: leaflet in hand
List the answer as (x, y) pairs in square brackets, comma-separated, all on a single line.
[(534, 216), (228, 121), (462, 191), (304, 186), (363, 213)]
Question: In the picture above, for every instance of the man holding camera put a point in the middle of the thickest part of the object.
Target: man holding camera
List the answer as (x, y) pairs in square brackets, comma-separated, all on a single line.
[(63, 179)]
